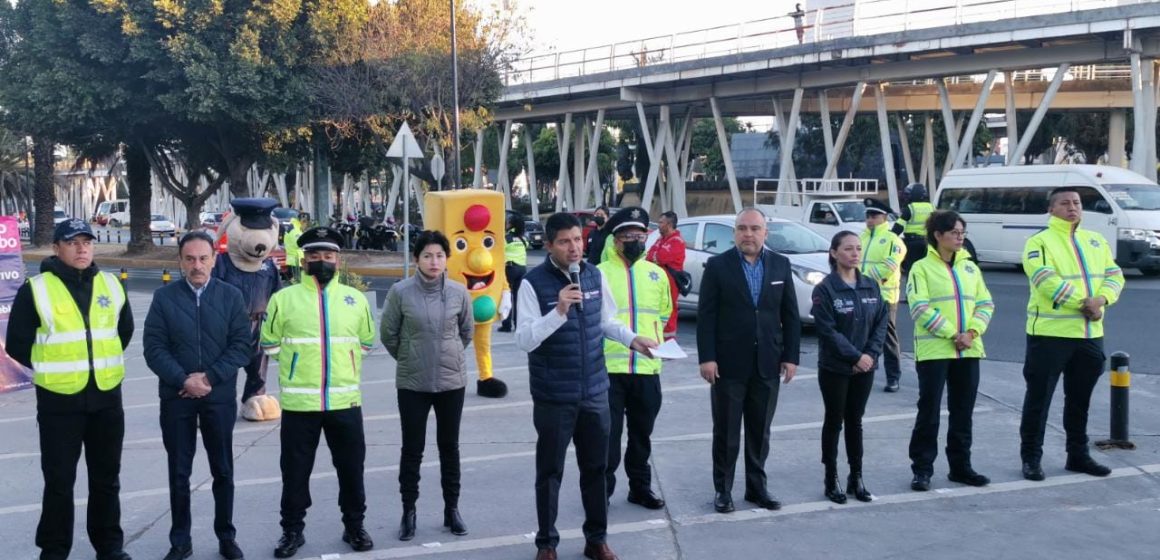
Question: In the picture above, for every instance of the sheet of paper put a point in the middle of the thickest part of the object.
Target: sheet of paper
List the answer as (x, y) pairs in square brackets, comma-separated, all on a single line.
[(669, 350)]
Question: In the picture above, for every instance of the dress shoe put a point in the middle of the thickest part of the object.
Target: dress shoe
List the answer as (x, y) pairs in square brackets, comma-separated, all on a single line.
[(407, 525), (119, 555), (546, 554), (834, 490), (289, 544), (646, 499), (921, 483), (229, 550), (891, 386), (1032, 471), (763, 500), (969, 477), (723, 502), (454, 522), (1085, 464), (857, 488), (179, 552), (358, 539), (599, 551)]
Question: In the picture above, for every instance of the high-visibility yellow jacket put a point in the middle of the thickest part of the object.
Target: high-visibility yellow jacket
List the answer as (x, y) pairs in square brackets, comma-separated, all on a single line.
[(882, 256), (1067, 265), (915, 224), (643, 304), (66, 349), (290, 243), (947, 299), (318, 335), (515, 250)]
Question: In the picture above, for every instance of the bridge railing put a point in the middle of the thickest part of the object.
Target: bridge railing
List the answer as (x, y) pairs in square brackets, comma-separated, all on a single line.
[(866, 17)]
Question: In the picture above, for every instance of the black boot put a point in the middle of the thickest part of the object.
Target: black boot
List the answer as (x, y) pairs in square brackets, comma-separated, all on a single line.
[(834, 489), (855, 487), (407, 525), (454, 522)]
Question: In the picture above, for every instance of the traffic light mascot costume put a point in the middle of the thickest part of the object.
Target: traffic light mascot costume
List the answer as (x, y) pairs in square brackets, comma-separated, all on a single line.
[(252, 234), (473, 221)]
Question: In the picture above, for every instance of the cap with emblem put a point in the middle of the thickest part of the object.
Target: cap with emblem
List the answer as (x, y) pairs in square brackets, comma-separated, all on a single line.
[(877, 206), (321, 239), (71, 228), (255, 213), (633, 216)]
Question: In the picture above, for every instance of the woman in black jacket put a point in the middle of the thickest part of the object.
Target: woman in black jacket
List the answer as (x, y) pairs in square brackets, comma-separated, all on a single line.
[(850, 318)]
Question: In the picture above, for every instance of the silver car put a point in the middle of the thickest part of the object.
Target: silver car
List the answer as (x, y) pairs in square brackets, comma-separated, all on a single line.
[(706, 236)]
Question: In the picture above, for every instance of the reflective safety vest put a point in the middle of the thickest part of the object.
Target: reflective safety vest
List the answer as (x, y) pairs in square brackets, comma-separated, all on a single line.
[(290, 243), (882, 256), (318, 335), (643, 304), (1066, 266), (916, 225), (515, 250), (66, 350), (947, 299)]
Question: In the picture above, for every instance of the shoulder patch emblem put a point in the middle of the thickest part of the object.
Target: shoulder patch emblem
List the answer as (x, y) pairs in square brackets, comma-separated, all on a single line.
[(970, 269), (883, 240), (1095, 243), (1033, 255), (652, 275), (349, 300)]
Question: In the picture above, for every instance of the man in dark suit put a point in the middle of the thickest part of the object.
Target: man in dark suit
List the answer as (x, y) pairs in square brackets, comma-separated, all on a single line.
[(748, 334)]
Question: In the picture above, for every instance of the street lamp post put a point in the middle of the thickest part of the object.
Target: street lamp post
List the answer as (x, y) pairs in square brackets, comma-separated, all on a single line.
[(456, 168)]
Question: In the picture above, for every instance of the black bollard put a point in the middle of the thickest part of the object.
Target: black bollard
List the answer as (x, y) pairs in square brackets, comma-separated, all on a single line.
[(165, 278), (124, 276), (1120, 383)]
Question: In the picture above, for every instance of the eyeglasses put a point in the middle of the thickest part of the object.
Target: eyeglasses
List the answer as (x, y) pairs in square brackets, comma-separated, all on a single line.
[(632, 236), (956, 233)]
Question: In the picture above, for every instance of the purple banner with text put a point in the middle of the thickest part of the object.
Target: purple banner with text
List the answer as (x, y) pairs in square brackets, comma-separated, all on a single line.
[(13, 376)]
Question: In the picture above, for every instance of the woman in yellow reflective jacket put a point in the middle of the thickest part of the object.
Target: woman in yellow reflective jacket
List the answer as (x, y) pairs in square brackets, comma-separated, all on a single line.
[(951, 308)]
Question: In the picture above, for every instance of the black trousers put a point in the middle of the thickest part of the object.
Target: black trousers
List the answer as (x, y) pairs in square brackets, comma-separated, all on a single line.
[(180, 419), (844, 396), (585, 424), (636, 398), (414, 408), (344, 437), (515, 275), (1081, 362), (891, 350), (915, 250), (256, 369), (62, 435), (750, 401), (961, 379)]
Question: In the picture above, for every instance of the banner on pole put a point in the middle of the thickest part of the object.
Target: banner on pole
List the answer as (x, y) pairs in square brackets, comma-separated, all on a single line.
[(13, 376)]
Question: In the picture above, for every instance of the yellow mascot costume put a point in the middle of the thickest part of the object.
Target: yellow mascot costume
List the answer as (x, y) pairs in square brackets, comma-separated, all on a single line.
[(473, 221)]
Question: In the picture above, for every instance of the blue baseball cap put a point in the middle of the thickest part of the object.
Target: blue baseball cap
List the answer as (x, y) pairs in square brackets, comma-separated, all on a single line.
[(71, 228)]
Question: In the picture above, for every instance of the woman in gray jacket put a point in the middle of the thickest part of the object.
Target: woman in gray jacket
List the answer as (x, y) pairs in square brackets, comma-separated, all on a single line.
[(426, 327)]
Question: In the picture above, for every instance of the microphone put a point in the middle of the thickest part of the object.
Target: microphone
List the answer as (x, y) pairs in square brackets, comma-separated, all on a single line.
[(574, 277)]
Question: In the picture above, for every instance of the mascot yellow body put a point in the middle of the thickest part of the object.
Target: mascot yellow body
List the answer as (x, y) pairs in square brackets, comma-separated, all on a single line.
[(473, 221)]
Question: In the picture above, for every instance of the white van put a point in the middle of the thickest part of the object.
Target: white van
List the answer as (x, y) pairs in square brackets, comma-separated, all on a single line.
[(1003, 206), (114, 213)]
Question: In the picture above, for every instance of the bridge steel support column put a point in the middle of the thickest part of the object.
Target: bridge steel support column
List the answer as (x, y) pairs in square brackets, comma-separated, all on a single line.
[(931, 175), (501, 177), (1117, 132), (1040, 111), (887, 153), (958, 132), (788, 135), (533, 191), (827, 130), (1148, 67), (1012, 116), (578, 187), (840, 142), (949, 123), (592, 177), (966, 145), (904, 144), (477, 177), (563, 138), (655, 161), (726, 153)]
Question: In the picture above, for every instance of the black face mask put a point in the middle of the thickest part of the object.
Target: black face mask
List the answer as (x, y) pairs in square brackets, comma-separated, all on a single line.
[(633, 250), (322, 270), (599, 220)]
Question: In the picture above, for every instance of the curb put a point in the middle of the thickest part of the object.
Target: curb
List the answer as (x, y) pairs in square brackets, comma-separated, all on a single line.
[(152, 264)]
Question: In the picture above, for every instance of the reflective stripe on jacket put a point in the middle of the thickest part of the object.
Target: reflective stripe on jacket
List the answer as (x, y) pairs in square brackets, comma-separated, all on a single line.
[(66, 349), (882, 256), (318, 335), (1065, 267), (643, 304), (947, 299)]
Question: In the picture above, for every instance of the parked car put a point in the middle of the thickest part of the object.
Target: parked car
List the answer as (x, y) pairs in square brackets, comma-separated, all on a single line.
[(161, 226), (211, 220), (112, 213), (534, 233), (58, 216), (706, 236)]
